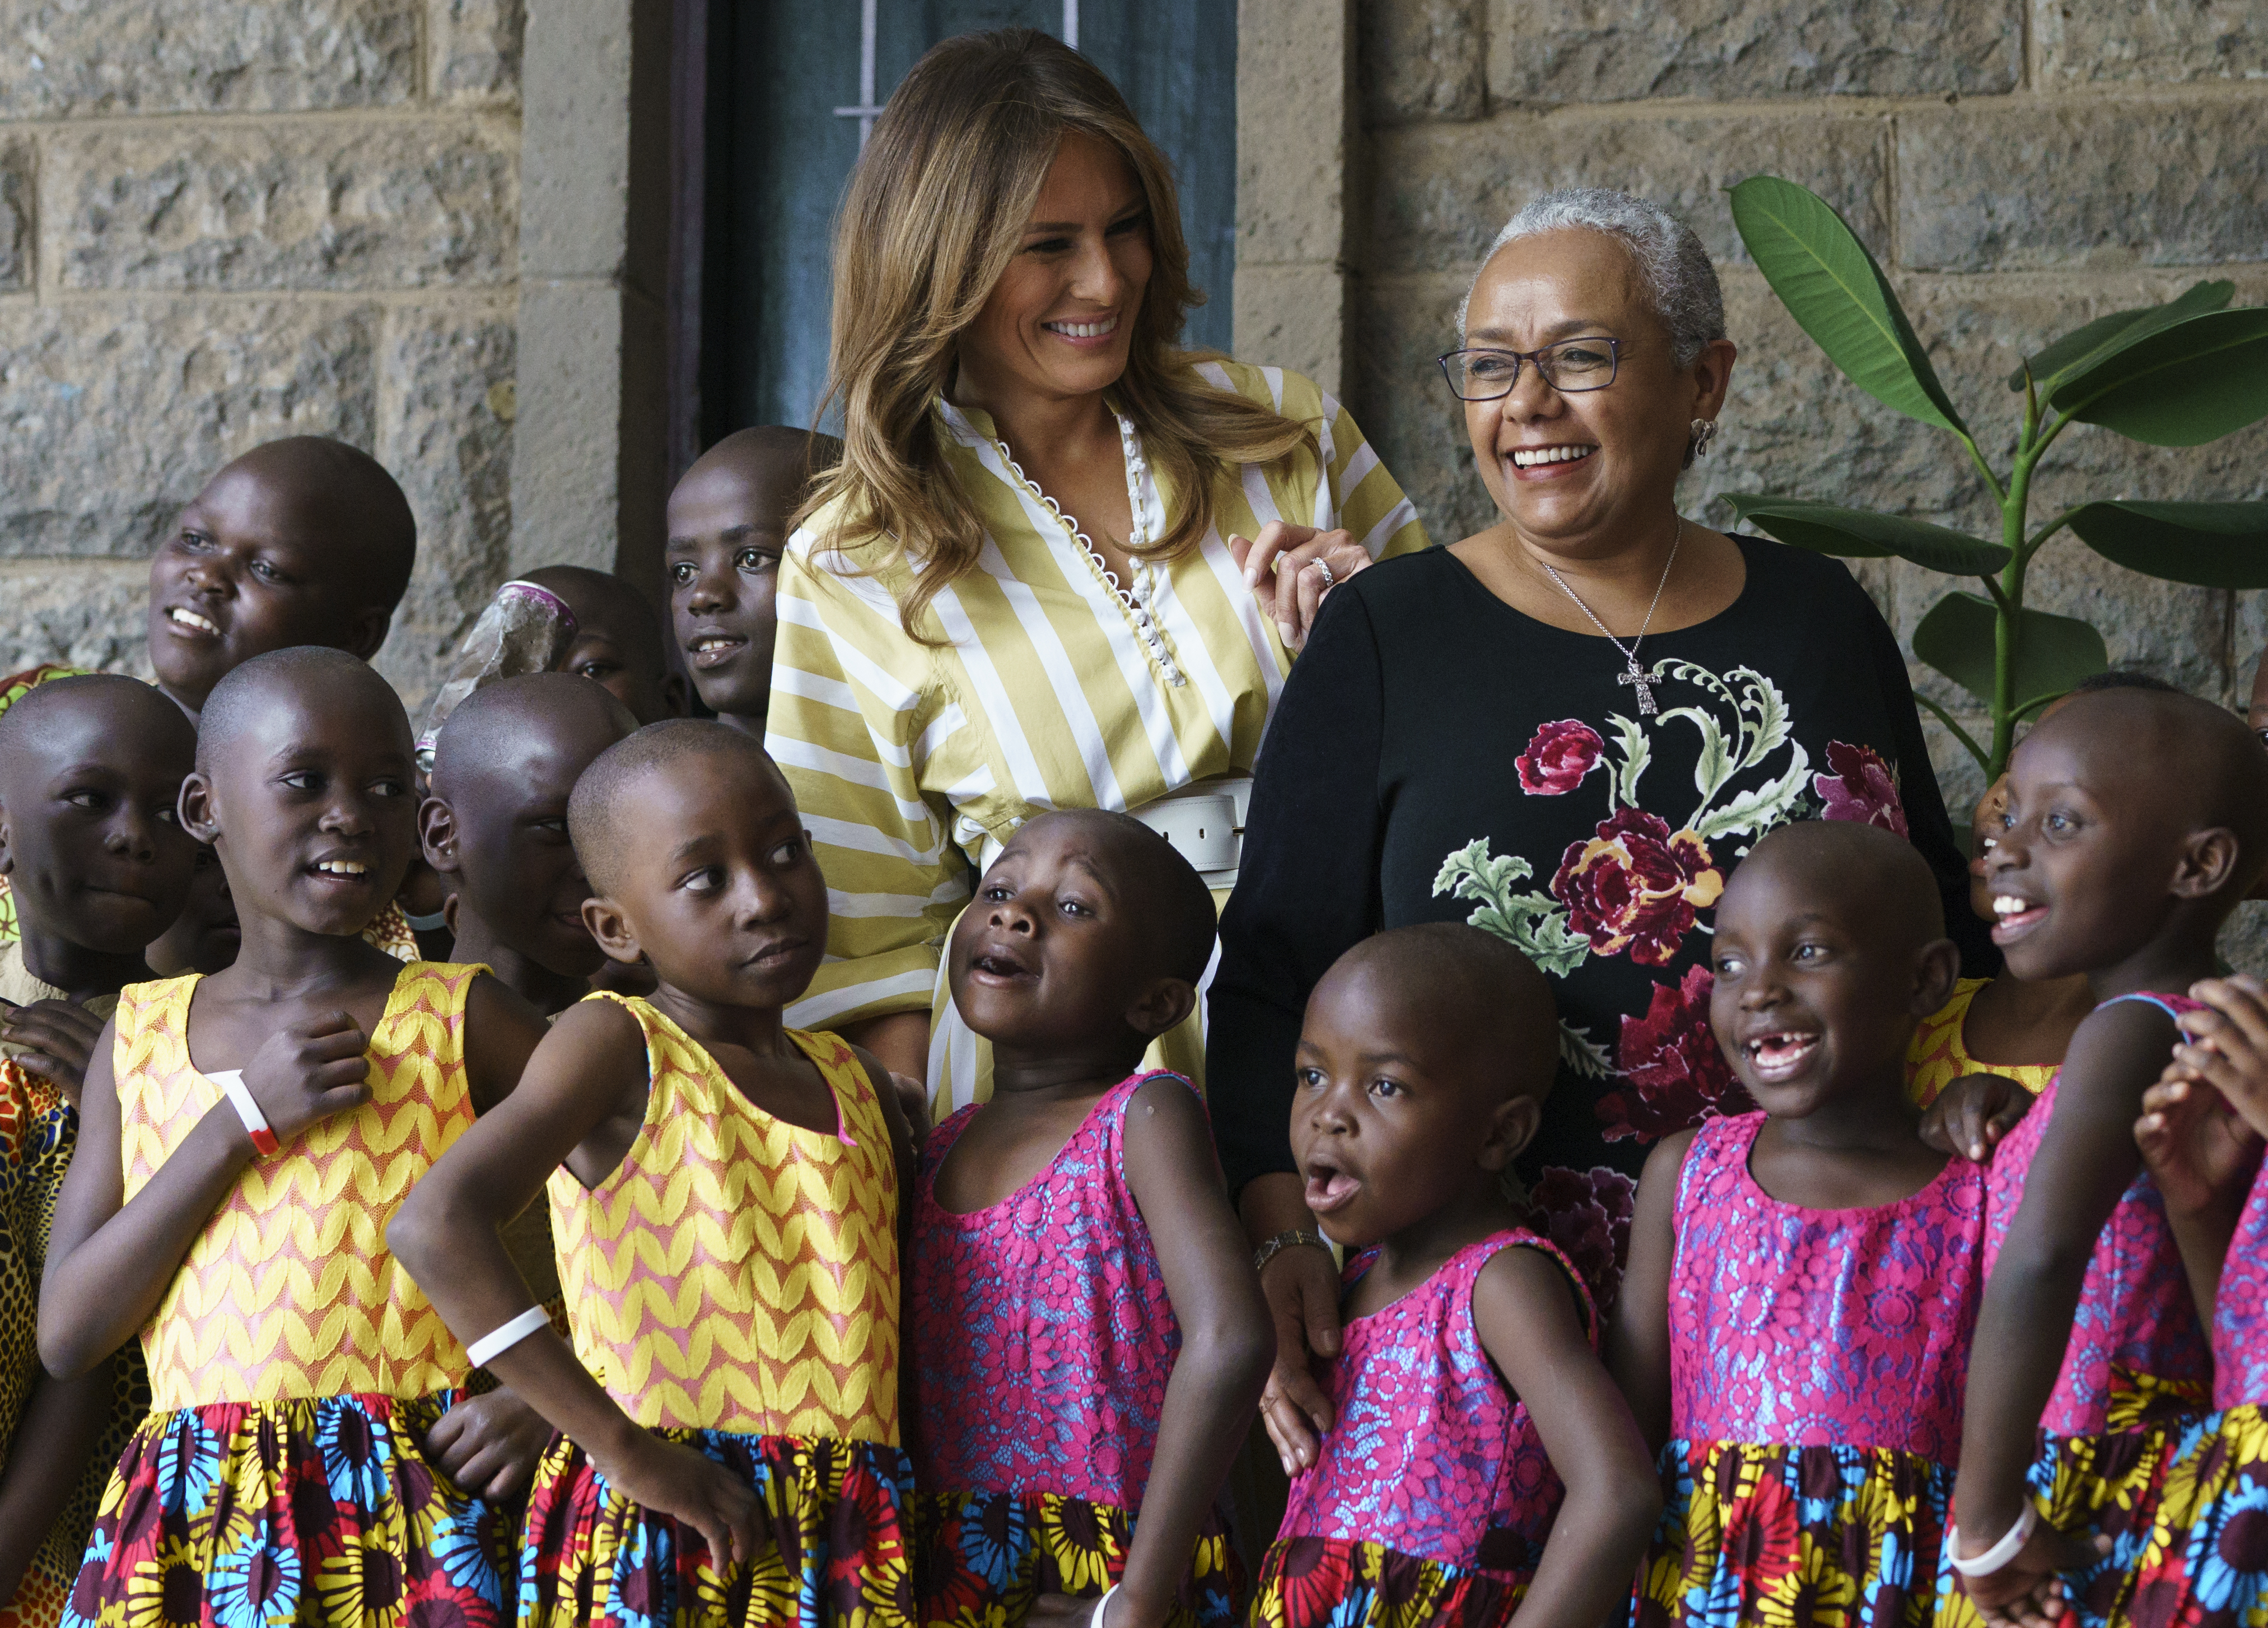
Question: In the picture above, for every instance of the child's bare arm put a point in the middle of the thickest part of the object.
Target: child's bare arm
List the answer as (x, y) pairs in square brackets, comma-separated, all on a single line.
[(61, 1420), (588, 1077), (1226, 1341), (2085, 1160), (1637, 1336), (502, 1031), (109, 1263), (1530, 1328)]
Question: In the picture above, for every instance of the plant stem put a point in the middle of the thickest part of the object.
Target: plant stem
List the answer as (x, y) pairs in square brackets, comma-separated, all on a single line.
[(2006, 630), (1967, 741)]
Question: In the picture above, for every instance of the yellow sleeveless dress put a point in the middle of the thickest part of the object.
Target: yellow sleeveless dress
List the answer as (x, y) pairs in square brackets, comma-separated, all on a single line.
[(734, 1286), (1938, 1054), (281, 1477)]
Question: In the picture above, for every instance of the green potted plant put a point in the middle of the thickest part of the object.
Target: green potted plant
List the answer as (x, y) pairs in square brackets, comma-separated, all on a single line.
[(2179, 374)]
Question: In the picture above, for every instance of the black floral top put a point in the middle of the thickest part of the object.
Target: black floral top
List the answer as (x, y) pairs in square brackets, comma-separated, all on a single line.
[(1440, 756)]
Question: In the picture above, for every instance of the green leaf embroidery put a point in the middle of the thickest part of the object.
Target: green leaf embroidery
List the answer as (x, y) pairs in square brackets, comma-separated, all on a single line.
[(1584, 1056), (1636, 752), (1534, 923)]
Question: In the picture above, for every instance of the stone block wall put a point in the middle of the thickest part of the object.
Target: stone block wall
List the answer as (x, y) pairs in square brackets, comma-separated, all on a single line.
[(2019, 167), (223, 224)]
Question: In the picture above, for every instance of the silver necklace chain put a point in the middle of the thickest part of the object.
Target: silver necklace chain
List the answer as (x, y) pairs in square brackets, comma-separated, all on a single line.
[(1636, 676)]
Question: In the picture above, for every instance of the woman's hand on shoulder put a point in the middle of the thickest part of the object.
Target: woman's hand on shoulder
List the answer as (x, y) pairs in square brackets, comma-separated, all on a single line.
[(1291, 568), (1973, 1114)]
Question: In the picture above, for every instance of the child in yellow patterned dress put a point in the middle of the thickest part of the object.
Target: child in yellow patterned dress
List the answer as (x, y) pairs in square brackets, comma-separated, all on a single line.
[(725, 1194), (89, 770), (247, 1137)]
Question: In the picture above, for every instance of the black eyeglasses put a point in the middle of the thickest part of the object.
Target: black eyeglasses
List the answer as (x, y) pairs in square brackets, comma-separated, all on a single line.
[(1571, 366)]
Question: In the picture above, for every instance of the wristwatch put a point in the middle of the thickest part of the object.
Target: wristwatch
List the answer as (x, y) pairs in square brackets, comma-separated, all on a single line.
[(1268, 1251)]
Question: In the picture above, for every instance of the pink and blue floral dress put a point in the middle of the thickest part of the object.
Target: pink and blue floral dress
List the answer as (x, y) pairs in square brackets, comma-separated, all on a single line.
[(1817, 1363), (1043, 1343), (1433, 1496)]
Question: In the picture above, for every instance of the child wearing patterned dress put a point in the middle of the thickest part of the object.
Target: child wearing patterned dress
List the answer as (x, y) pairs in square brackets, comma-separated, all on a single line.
[(89, 770), (2205, 1562), (724, 1196), (245, 1139), (1468, 1387), (1078, 1406), (2136, 821), (1793, 1330)]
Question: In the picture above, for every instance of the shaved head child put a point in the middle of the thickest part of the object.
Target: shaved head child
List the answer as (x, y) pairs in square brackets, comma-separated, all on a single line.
[(495, 828), (728, 526), (248, 1136), (618, 641), (89, 770), (304, 541)]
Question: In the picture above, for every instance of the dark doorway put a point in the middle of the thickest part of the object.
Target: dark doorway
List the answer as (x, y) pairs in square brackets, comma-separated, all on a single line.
[(770, 98)]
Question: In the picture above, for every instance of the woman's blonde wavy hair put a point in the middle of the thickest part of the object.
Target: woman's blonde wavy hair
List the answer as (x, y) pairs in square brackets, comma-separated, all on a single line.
[(935, 211)]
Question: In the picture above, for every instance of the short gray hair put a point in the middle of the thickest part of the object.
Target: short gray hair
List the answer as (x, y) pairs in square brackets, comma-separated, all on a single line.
[(1679, 279)]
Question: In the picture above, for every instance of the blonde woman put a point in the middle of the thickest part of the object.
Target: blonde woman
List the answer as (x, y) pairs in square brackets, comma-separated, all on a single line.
[(1029, 583)]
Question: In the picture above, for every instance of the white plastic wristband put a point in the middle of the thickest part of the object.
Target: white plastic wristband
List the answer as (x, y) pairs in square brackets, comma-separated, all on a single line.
[(230, 1081), (1100, 1606), (2001, 1553), (498, 1341)]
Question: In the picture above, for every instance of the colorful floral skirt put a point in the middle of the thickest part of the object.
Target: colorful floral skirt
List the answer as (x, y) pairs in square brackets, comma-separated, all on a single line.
[(313, 1511), (834, 1551), (1332, 1582), (2205, 1563), (1793, 1536), (2108, 1485), (982, 1559)]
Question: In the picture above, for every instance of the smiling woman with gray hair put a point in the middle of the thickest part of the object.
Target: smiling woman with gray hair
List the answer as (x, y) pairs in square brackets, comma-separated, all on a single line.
[(1565, 729)]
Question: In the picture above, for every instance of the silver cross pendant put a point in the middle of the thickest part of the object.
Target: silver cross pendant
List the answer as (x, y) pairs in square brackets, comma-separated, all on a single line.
[(1645, 681)]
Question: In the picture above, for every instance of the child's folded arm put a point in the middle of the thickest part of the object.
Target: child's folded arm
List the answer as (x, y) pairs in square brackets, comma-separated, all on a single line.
[(580, 1103), (1530, 1324), (1638, 1335), (110, 1262), (1227, 1341), (2086, 1162)]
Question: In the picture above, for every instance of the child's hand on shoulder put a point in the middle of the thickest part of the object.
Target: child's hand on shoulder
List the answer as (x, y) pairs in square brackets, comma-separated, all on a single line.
[(669, 1479), (488, 1445), (309, 1071), (1973, 1114), (56, 1041), (2226, 1045)]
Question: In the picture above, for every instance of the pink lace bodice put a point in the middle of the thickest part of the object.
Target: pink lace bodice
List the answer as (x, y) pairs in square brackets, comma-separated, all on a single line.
[(1820, 1328), (1043, 1335), (2135, 1313), (1431, 1456)]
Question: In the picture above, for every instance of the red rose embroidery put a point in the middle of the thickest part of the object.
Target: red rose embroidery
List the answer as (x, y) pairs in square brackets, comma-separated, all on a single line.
[(1636, 886), (1586, 1213), (1677, 1076), (1862, 789), (1558, 758)]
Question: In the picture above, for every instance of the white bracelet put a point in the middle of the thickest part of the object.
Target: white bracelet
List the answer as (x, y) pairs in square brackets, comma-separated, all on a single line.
[(1100, 1606), (501, 1339), (230, 1081), (2001, 1553)]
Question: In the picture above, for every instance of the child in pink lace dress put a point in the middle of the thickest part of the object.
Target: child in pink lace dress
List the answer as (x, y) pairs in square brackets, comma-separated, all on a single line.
[(2135, 823), (2205, 1562), (1793, 1330), (1477, 1462), (1082, 1380)]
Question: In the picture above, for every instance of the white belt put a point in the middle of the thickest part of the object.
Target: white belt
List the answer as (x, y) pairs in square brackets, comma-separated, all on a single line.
[(1204, 821)]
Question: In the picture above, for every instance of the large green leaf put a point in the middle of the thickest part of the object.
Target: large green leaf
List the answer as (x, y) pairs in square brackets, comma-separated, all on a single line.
[(2052, 652), (2188, 384), (1833, 288), (2103, 338), (2215, 545), (1856, 533)]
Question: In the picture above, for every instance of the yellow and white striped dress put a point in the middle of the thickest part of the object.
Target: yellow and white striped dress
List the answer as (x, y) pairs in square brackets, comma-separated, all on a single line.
[(913, 762)]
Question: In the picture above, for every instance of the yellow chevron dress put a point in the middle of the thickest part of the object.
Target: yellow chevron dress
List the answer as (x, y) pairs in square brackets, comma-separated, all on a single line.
[(734, 1286), (281, 1477)]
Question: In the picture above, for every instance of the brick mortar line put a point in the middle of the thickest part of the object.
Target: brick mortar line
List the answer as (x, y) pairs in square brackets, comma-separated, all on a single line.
[(495, 294), (1851, 108), (408, 113)]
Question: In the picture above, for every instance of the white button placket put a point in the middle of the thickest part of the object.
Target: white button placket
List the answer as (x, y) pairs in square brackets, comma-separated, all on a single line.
[(1139, 598)]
